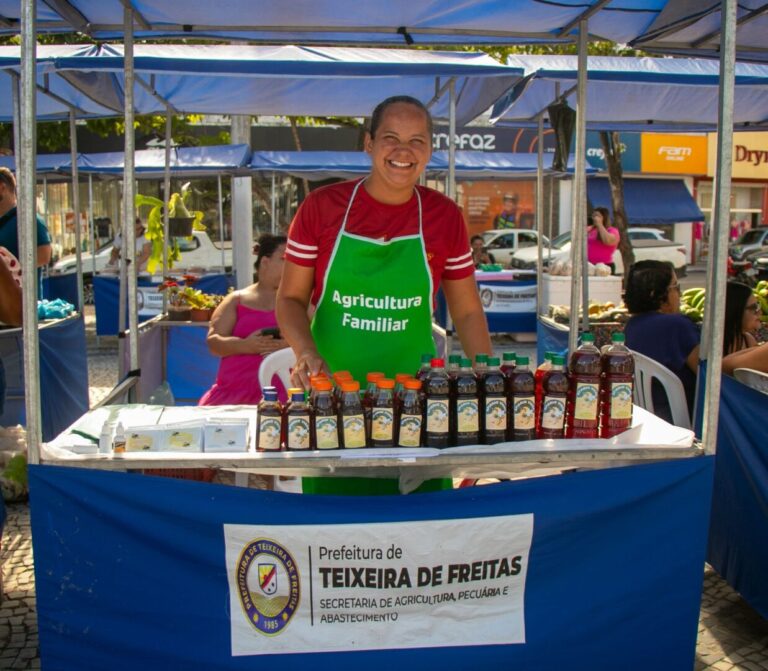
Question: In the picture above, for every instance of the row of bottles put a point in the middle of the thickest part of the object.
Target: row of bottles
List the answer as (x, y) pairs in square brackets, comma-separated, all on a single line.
[(493, 402)]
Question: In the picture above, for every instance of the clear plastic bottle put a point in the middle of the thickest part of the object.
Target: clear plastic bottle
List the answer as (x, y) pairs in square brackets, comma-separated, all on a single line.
[(454, 363), (523, 401), (538, 377), (554, 394), (425, 367), (584, 390), (618, 367), (383, 414), (495, 405), (325, 421), (119, 440), (437, 410), (481, 363), (338, 377), (410, 421), (351, 415), (269, 422), (370, 393), (298, 431), (467, 411)]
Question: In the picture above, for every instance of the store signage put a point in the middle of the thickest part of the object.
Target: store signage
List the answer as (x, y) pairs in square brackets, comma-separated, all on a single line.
[(671, 153), (326, 587), (629, 144), (750, 155), (507, 299)]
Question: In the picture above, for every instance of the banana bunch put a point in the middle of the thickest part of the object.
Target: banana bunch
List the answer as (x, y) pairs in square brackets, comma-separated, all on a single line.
[(761, 293), (692, 303)]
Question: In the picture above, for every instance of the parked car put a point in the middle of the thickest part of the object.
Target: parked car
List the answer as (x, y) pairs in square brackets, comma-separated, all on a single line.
[(759, 261), (647, 243), (750, 241), (198, 254), (502, 243)]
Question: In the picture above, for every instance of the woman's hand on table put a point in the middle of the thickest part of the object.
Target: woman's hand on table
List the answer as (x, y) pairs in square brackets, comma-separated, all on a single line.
[(308, 363)]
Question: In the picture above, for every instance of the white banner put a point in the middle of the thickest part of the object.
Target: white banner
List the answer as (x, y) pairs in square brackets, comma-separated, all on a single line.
[(508, 299), (325, 588)]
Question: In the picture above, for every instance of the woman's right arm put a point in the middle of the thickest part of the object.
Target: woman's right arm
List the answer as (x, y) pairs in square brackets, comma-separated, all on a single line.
[(291, 308), (752, 357)]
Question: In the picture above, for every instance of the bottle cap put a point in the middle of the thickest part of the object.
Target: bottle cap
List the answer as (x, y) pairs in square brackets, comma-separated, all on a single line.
[(493, 361), (466, 363), (270, 394), (342, 375), (400, 378), (522, 361), (437, 363), (372, 377), (548, 356), (350, 385), (294, 390), (269, 388), (323, 385), (297, 396), (509, 356), (385, 383), (426, 358), (618, 336), (481, 358), (412, 383), (558, 360), (454, 358), (587, 337)]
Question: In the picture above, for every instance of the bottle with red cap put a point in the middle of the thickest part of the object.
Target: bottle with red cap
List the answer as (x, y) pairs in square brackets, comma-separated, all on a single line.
[(584, 390), (618, 368), (383, 414), (325, 421), (351, 415), (437, 406)]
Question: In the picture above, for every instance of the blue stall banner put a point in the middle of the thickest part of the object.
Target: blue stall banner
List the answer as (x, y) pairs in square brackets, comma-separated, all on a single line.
[(738, 535), (630, 151), (190, 367), (583, 571)]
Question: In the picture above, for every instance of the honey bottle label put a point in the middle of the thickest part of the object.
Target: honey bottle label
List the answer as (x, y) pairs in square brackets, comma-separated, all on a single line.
[(553, 413), (354, 431), (496, 413), (382, 421), (621, 400), (437, 416), (327, 433), (586, 401), (298, 432), (410, 431), (525, 413), (468, 417), (269, 434)]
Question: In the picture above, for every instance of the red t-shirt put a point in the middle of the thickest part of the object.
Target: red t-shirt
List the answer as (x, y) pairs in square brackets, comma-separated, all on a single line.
[(314, 229)]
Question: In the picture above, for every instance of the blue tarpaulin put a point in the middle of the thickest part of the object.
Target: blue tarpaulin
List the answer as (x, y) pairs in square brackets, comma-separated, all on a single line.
[(649, 202), (400, 23), (738, 531), (644, 93), (315, 165), (288, 80), (132, 570)]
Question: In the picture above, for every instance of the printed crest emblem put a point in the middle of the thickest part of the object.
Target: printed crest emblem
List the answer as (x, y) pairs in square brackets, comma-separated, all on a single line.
[(268, 578)]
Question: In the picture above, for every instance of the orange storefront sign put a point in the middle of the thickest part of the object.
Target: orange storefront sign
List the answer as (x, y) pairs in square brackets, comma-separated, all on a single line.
[(672, 153), (750, 155)]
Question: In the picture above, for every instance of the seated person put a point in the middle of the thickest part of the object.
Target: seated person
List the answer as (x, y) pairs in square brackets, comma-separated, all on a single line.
[(658, 330), (480, 255), (742, 320)]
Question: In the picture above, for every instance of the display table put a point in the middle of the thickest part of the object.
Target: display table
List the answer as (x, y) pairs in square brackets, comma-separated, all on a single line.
[(196, 575), (508, 298)]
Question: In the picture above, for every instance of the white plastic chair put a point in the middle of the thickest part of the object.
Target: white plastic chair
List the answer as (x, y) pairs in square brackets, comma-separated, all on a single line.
[(647, 370), (752, 378), (278, 363)]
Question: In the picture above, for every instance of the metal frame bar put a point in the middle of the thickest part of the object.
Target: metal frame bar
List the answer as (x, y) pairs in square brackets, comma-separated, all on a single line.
[(754, 14), (76, 208)]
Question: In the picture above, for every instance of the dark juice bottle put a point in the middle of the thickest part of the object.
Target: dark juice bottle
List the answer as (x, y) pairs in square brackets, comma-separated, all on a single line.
[(437, 410), (508, 362), (368, 396), (383, 414), (425, 367), (495, 405), (554, 393), (584, 389), (481, 363), (338, 377), (325, 421), (538, 378), (618, 368), (522, 401), (410, 420), (399, 389), (351, 415), (270, 420), (467, 406), (297, 423), (454, 363)]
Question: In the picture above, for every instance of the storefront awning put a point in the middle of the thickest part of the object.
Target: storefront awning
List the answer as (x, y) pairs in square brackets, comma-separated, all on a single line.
[(649, 202)]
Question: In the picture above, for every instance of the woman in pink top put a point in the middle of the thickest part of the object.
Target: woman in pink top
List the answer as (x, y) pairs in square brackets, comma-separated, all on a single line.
[(602, 238), (237, 330)]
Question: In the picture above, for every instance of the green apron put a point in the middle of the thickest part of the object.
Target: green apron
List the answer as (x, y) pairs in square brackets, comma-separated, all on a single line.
[(375, 313)]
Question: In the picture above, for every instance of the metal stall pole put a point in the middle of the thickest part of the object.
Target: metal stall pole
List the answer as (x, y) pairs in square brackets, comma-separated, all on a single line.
[(221, 223), (274, 206), (452, 139), (76, 208), (93, 227), (166, 198), (712, 336), (25, 172), (129, 208), (539, 212), (578, 247)]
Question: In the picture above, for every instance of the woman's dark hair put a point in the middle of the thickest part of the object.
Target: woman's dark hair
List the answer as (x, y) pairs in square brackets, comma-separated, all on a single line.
[(606, 215), (647, 286), (475, 237), (736, 297), (378, 113), (266, 245), (6, 176)]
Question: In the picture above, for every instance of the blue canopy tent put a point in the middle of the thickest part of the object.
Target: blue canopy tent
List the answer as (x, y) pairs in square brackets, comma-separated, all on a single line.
[(649, 94)]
